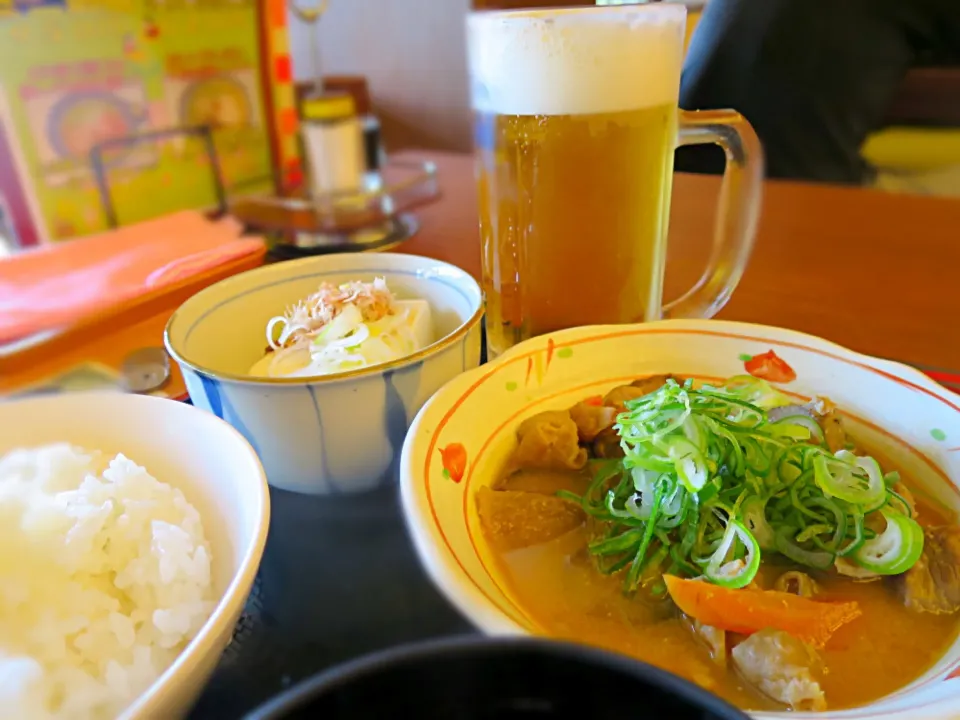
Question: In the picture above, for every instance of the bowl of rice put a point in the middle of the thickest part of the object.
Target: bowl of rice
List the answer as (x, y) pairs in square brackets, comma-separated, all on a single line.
[(131, 530)]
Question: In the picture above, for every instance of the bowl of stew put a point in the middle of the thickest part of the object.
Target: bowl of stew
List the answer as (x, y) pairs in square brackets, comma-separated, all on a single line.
[(762, 512)]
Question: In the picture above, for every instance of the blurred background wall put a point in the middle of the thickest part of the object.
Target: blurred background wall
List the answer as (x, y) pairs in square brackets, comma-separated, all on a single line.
[(412, 54)]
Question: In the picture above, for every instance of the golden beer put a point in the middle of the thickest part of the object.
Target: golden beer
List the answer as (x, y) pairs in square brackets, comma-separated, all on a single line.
[(575, 128), (576, 124), (573, 218)]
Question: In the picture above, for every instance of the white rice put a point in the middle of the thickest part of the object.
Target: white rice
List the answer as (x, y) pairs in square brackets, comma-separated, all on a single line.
[(104, 578)]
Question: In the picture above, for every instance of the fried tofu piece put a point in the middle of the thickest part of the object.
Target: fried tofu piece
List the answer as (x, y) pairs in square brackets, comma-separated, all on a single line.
[(549, 440)]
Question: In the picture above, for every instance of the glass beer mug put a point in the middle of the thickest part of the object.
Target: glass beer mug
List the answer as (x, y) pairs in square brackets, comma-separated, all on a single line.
[(576, 122)]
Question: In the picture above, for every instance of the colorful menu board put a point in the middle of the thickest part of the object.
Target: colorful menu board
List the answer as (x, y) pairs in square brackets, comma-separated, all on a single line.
[(77, 73)]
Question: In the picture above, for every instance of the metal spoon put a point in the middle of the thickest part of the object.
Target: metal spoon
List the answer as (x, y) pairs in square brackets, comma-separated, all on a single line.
[(145, 370)]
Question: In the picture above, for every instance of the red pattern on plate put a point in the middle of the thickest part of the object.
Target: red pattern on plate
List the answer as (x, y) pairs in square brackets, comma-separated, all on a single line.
[(453, 457)]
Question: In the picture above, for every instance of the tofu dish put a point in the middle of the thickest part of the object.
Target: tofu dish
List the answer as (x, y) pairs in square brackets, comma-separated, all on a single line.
[(342, 328)]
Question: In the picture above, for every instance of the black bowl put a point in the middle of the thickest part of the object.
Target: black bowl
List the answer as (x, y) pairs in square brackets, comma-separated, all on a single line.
[(476, 678)]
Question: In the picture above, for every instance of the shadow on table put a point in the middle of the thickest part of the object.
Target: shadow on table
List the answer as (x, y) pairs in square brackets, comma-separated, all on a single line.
[(339, 578)]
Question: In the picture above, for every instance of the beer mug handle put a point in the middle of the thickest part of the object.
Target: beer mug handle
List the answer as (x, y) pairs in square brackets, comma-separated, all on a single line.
[(738, 211)]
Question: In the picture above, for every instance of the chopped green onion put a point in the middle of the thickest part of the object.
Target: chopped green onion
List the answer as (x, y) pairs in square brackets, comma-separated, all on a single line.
[(858, 482), (812, 531), (636, 567), (895, 499), (787, 546), (895, 550), (839, 518), (708, 482), (756, 391), (736, 573), (689, 463), (858, 536), (618, 544), (753, 512), (676, 554), (756, 459), (785, 427)]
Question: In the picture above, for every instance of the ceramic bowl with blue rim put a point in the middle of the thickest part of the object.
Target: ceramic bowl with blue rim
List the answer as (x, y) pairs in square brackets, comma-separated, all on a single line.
[(325, 434)]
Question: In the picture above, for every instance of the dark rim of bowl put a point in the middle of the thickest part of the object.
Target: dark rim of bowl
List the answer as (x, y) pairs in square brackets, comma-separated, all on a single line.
[(470, 646), (441, 344), (560, 11)]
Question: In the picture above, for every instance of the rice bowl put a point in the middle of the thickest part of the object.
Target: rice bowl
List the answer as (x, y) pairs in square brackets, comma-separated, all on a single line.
[(123, 566), (106, 576)]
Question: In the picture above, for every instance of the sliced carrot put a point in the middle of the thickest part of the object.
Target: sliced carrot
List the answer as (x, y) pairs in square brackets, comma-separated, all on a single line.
[(746, 611)]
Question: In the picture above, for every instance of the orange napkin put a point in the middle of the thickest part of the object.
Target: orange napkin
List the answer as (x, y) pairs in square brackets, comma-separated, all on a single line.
[(58, 285)]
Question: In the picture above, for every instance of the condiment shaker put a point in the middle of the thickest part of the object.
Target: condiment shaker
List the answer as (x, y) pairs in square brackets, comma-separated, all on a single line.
[(333, 143)]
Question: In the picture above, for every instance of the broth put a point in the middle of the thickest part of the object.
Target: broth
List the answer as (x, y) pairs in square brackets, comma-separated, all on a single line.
[(883, 650), (558, 585)]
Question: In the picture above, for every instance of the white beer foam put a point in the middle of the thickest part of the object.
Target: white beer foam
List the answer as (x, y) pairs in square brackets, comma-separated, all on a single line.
[(575, 62)]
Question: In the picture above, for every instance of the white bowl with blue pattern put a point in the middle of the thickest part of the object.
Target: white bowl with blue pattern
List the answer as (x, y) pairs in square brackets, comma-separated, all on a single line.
[(321, 435)]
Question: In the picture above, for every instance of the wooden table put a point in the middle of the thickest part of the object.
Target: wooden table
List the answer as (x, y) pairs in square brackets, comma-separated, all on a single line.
[(873, 271)]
